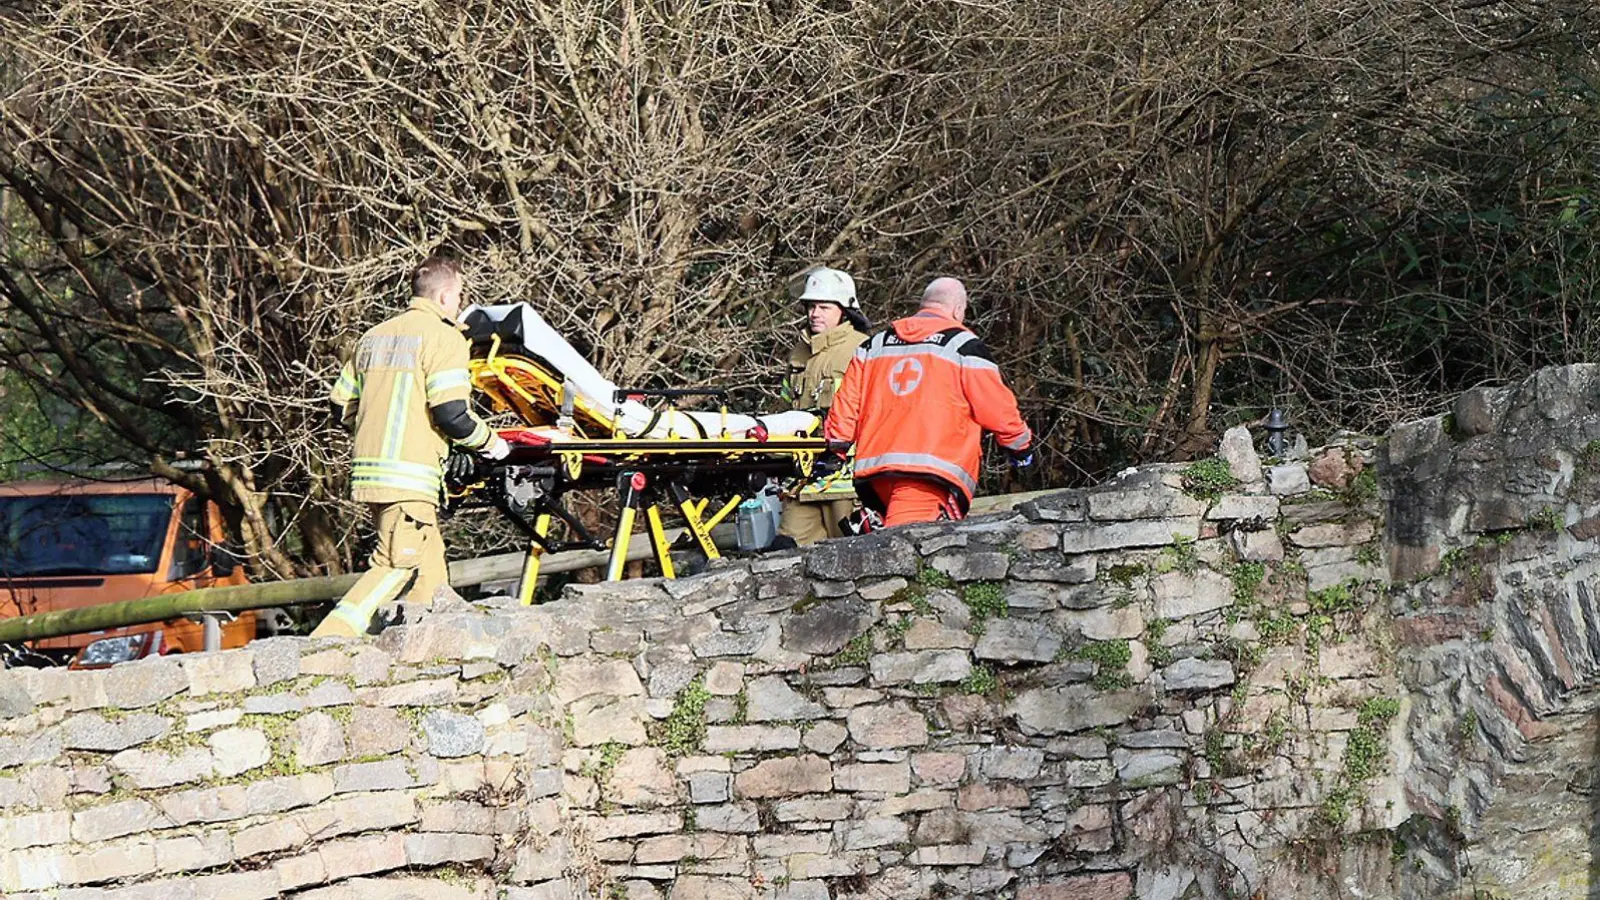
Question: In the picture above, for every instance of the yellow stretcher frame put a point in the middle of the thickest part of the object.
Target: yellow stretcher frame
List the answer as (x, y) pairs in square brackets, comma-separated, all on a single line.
[(522, 386)]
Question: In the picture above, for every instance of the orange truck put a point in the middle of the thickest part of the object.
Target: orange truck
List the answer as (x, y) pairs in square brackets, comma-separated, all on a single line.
[(71, 543)]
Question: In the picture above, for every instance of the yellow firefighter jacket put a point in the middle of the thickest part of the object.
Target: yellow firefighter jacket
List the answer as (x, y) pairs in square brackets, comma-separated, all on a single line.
[(402, 368), (817, 364)]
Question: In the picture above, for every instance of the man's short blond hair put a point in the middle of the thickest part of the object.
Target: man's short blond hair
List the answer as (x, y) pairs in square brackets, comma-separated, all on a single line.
[(434, 276)]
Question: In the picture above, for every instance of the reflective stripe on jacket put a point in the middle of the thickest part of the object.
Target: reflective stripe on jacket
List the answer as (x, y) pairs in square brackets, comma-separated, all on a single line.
[(916, 400), (402, 367)]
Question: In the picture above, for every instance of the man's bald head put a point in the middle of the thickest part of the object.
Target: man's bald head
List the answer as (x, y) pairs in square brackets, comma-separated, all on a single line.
[(946, 295)]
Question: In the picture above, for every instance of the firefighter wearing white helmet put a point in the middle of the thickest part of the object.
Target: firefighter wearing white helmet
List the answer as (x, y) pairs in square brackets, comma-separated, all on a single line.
[(835, 328)]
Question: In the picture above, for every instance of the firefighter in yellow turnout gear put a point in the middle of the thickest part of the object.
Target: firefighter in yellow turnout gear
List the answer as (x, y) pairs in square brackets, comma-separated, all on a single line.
[(835, 327), (408, 391)]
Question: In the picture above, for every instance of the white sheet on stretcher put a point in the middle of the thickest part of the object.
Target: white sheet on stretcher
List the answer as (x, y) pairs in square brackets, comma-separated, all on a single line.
[(599, 392)]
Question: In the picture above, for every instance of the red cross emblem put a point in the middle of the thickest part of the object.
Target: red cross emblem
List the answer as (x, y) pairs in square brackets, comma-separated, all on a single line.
[(905, 377)]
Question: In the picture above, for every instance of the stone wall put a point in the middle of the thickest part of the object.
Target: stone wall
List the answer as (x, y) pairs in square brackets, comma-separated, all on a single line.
[(1194, 681)]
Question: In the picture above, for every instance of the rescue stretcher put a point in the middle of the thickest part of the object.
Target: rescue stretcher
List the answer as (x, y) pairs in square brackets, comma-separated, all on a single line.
[(580, 432)]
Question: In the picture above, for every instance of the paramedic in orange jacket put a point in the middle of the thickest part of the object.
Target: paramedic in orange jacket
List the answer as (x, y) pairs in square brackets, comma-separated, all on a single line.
[(915, 402)]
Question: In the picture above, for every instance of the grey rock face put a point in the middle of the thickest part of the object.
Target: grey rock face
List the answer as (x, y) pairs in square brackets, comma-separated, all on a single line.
[(875, 555), (826, 628)]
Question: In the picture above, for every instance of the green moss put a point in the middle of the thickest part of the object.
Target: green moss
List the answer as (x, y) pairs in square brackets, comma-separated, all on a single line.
[(600, 766), (684, 729), (1362, 488), (986, 600), (1336, 806), (1247, 576), (1125, 573), (1208, 479), (1377, 711), (897, 629), (928, 576), (855, 653), (1369, 554), (1469, 725), (980, 681), (1111, 661), (1179, 556), (1341, 598), (1546, 519), (741, 707), (1278, 627)]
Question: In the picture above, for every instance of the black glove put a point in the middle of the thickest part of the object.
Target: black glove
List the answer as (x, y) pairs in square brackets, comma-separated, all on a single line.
[(461, 469), (1021, 459)]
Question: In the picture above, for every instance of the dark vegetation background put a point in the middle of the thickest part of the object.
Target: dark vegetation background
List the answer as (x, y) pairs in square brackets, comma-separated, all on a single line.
[(1172, 215)]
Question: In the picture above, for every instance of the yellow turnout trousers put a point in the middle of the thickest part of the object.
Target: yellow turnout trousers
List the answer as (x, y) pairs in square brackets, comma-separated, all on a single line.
[(410, 552), (809, 521)]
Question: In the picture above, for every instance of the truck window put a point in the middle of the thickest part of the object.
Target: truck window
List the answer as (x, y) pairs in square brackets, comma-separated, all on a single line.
[(189, 556), (82, 534)]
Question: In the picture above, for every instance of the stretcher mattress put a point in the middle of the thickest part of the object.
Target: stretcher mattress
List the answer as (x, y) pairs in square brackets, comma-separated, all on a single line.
[(523, 331)]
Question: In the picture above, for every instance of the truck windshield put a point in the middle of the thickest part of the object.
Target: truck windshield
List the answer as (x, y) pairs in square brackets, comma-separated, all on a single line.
[(82, 534)]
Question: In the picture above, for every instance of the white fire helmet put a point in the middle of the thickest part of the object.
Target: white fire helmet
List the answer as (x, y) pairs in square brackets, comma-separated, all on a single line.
[(821, 284)]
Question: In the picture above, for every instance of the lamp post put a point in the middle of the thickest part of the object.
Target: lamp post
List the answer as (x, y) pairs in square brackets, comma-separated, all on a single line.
[(1277, 427)]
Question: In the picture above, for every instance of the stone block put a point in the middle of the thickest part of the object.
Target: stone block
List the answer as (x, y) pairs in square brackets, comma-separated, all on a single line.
[(30, 749), (276, 659), (972, 566), (642, 778), (825, 628), (189, 852), (1179, 595), (363, 855), (1107, 623), (437, 849), (721, 643), (923, 667), (874, 833), (1191, 674), (212, 719), (318, 740), (1235, 507), (1256, 546), (729, 818), (942, 769), (434, 692), (824, 737), (1013, 763), (1018, 640), (275, 795), (874, 778), (1066, 506), (872, 555), (38, 829), (1351, 659), (772, 700), (89, 731), (710, 787), (817, 809), (1288, 480), (1147, 768), (1062, 570), (627, 825), (725, 679), (950, 855), (131, 685), (466, 817), (1333, 534), (887, 726), (882, 589), (375, 731), (451, 734), (585, 678), (1118, 535), (144, 769), (607, 719), (1239, 452), (113, 820), (981, 795), (109, 862), (751, 738), (931, 634), (668, 848), (785, 777), (238, 750), (1073, 708), (222, 672), (381, 775), (1152, 500), (1104, 886)]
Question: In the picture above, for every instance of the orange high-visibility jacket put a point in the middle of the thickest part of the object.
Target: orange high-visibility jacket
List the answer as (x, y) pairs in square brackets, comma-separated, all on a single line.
[(916, 400)]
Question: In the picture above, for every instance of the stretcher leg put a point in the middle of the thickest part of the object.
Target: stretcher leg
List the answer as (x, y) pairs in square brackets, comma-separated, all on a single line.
[(620, 543), (658, 539), (530, 569), (722, 513), (691, 518)]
